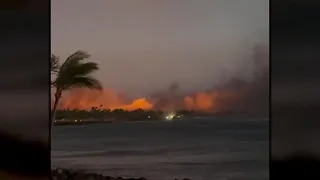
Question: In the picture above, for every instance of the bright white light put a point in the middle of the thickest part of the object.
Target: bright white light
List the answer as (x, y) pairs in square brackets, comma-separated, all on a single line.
[(149, 117), (170, 117), (75, 120)]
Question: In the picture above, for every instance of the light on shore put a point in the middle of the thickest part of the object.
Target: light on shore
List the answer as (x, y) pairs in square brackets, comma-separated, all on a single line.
[(170, 117)]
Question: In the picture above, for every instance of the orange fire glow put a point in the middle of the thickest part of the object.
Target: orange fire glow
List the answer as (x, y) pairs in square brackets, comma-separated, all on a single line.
[(107, 99), (110, 99), (201, 101)]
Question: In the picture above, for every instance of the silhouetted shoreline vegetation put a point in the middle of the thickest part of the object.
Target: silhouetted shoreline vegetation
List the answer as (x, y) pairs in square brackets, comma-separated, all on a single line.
[(138, 114), (98, 115)]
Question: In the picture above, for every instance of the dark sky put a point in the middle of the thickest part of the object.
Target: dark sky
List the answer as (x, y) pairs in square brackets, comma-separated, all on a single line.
[(143, 46)]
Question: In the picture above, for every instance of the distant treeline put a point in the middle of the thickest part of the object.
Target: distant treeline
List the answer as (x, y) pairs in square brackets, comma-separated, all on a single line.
[(97, 113)]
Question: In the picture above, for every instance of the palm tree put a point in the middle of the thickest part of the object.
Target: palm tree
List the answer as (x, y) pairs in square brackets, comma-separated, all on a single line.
[(73, 73)]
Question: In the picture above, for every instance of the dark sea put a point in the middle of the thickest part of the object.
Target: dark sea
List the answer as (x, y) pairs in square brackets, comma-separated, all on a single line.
[(199, 149)]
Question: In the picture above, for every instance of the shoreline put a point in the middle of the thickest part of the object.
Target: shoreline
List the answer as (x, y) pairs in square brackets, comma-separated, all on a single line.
[(70, 174), (70, 122), (103, 121), (81, 122), (87, 122)]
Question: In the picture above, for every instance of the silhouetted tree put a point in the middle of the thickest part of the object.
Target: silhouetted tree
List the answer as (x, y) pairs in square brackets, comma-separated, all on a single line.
[(73, 73)]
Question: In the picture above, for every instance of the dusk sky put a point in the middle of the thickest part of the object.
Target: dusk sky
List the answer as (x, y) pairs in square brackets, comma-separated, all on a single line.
[(143, 46)]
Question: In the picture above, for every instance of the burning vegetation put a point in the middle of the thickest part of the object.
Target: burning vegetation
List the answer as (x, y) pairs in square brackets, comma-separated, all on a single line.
[(235, 96), (109, 99)]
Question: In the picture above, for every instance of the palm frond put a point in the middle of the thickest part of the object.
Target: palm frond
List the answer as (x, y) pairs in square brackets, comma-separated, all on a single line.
[(84, 82), (86, 68), (79, 69), (77, 74), (55, 65), (75, 58)]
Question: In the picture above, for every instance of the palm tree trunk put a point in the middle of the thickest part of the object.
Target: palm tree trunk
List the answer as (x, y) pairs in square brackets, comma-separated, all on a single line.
[(57, 97)]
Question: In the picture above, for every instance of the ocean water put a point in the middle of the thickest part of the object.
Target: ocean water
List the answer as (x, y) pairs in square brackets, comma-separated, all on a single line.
[(200, 149)]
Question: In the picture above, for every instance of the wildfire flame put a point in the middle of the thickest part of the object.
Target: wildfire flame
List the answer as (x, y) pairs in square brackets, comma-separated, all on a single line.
[(107, 99), (110, 99)]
